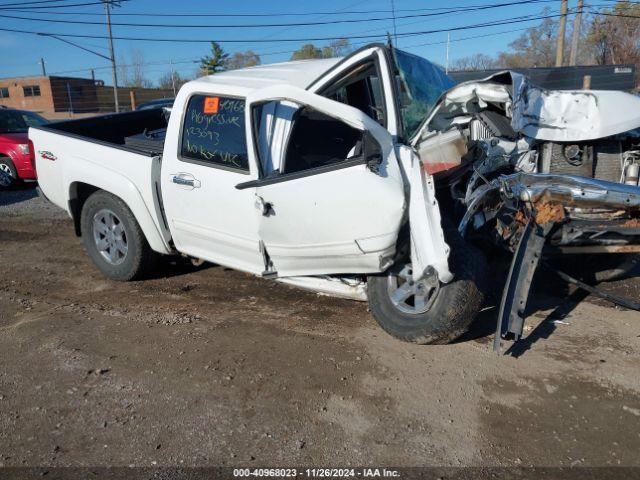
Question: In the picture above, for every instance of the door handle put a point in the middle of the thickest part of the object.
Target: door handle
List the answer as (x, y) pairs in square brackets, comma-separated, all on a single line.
[(185, 180)]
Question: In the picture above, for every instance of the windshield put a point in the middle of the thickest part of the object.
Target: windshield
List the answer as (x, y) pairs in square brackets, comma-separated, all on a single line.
[(16, 121), (421, 83)]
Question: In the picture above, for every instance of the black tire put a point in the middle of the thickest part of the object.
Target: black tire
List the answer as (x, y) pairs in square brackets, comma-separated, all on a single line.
[(6, 164), (456, 305), (139, 258)]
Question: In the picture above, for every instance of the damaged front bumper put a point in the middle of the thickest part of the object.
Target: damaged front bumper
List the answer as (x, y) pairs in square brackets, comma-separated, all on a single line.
[(567, 190), (557, 211)]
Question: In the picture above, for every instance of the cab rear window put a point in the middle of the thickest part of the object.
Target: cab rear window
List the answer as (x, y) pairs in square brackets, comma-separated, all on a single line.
[(214, 132)]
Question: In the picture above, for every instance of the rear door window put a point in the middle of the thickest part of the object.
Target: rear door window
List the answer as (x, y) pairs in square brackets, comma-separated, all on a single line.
[(214, 133)]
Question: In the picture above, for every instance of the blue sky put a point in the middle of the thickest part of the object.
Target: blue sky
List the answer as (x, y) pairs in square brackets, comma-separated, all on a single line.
[(20, 53)]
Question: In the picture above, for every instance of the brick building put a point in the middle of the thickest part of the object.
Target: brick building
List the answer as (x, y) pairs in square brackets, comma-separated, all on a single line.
[(49, 94)]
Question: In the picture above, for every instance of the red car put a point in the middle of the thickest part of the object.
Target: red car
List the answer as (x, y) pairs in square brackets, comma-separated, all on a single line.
[(14, 143)]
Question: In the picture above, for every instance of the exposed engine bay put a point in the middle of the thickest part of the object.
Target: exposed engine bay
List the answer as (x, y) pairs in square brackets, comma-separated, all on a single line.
[(486, 141), (526, 168)]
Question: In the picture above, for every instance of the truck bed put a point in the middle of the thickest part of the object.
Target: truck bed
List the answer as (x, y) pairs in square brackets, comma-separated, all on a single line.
[(139, 132), (88, 154)]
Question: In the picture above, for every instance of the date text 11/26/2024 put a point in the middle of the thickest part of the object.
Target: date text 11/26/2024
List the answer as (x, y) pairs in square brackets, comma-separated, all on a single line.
[(317, 472)]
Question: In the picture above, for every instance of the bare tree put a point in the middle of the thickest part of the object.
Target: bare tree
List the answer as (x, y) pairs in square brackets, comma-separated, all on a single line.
[(131, 73), (337, 48), (242, 60), (536, 47), (170, 79), (615, 35), (478, 61), (138, 78)]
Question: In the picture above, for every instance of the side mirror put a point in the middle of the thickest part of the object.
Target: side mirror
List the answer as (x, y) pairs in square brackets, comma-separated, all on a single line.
[(372, 152)]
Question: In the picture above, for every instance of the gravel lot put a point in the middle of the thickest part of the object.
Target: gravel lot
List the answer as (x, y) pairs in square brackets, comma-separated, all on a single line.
[(207, 366)]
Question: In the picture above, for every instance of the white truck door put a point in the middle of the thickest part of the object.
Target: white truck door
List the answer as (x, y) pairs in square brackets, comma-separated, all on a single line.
[(207, 216), (332, 198)]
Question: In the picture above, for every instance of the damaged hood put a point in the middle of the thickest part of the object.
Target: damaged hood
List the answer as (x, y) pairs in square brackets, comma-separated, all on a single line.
[(572, 115), (552, 115)]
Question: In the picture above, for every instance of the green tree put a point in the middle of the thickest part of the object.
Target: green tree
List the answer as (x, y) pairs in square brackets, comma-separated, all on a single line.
[(307, 51), (335, 48), (214, 63)]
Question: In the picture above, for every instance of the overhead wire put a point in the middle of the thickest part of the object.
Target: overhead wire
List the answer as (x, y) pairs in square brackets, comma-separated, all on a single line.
[(274, 14), (509, 21), (277, 25)]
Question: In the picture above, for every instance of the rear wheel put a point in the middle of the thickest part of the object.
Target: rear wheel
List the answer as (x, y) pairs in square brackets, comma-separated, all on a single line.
[(113, 239), (10, 178), (428, 311)]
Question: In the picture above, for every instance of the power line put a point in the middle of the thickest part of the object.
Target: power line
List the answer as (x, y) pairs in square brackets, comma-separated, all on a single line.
[(278, 14), (3, 7), (31, 3), (262, 54), (275, 25), (510, 21)]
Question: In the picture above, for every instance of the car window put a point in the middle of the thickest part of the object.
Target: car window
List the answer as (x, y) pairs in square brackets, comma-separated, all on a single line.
[(214, 133), (14, 121), (361, 89), (317, 140)]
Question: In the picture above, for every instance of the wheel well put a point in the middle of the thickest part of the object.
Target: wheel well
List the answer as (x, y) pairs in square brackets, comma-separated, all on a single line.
[(78, 194)]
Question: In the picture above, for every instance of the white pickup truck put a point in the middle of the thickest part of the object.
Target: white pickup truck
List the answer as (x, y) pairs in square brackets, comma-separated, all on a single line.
[(371, 177)]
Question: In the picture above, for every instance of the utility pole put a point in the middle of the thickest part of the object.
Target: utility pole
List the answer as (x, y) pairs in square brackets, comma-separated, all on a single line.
[(575, 36), (44, 70), (562, 27), (446, 63), (114, 75)]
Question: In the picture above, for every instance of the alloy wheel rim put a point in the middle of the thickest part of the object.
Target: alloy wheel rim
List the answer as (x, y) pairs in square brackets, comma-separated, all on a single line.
[(409, 296), (110, 236), (7, 178)]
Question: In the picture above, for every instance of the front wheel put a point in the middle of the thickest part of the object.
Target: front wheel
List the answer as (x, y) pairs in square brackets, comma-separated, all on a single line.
[(113, 238), (430, 312)]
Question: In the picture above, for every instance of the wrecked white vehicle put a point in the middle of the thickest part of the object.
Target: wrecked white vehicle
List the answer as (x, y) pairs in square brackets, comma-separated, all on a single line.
[(371, 177)]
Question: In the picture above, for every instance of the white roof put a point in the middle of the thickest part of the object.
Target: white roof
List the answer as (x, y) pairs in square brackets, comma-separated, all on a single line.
[(300, 73)]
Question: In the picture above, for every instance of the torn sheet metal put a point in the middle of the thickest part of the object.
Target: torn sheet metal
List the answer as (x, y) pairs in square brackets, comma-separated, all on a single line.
[(428, 246), (458, 104), (571, 115), (552, 115), (342, 287), (569, 190)]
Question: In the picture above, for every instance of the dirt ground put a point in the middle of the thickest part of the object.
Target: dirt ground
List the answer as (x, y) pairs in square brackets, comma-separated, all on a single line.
[(207, 366)]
